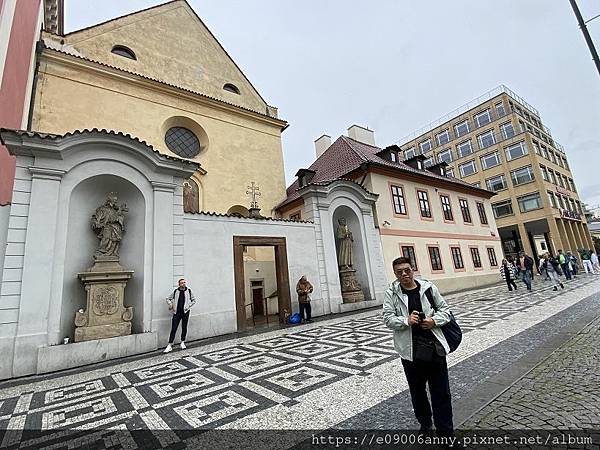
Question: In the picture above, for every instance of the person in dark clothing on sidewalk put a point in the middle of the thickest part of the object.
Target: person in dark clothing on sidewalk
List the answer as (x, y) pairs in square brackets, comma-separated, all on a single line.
[(180, 302), (525, 266), (507, 270), (304, 289), (422, 346)]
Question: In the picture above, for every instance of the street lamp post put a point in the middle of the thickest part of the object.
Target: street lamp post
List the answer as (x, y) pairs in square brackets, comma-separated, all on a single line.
[(586, 34)]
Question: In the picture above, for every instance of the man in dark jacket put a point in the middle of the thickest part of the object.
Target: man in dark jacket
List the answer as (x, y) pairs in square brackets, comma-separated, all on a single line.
[(525, 266), (304, 289)]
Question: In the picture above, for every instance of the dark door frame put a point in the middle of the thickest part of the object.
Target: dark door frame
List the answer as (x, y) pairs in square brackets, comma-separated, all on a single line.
[(281, 273)]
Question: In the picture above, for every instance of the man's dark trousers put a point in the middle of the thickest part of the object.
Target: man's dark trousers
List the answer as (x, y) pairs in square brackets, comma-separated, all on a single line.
[(305, 307), (418, 374), (183, 318)]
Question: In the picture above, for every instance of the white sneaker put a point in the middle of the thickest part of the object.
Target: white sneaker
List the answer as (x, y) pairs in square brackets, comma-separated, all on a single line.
[(168, 348), (182, 345)]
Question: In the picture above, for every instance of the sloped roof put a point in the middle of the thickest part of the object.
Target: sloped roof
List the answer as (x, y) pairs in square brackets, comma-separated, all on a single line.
[(346, 155)]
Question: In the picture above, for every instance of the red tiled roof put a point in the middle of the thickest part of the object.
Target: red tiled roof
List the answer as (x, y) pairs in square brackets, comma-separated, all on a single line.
[(346, 155)]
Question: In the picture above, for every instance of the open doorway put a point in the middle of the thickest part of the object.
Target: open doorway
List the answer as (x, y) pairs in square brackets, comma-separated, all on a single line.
[(262, 290)]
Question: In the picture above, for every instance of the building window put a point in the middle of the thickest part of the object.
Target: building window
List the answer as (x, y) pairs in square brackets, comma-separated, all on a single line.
[(490, 160), (477, 185), (500, 111), (516, 151), (529, 202), (435, 258), (462, 128), (445, 156), (544, 151), (572, 184), (486, 139), (502, 209), (492, 257), (446, 207), (552, 157), (566, 182), (483, 118), (561, 201), (507, 130), (425, 146), (428, 162), (393, 156), (467, 168), (296, 216), (424, 204), (457, 259), (552, 199), (126, 52), (536, 148), (464, 148), (408, 251), (559, 180), (398, 200), (443, 137), (409, 153), (482, 215), (450, 172), (464, 209), (566, 164), (231, 88), (544, 172), (475, 257), (497, 183), (552, 176), (182, 142), (522, 175)]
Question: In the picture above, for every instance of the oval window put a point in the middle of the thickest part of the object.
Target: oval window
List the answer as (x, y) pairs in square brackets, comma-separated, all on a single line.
[(182, 142), (121, 50)]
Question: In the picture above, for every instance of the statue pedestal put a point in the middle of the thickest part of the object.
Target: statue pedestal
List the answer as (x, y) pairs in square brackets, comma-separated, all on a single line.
[(351, 290), (105, 316)]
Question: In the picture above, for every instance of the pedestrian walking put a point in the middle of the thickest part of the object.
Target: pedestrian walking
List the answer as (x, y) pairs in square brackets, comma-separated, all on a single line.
[(595, 262), (180, 302), (564, 264), (573, 264), (304, 289), (551, 267), (525, 266), (586, 260), (419, 340), (508, 273)]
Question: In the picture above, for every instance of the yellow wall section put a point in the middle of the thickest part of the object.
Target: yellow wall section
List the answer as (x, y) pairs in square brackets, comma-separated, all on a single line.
[(72, 94), (171, 45)]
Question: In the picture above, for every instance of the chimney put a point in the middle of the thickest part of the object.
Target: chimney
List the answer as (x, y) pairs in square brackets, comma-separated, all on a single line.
[(361, 134), (322, 144)]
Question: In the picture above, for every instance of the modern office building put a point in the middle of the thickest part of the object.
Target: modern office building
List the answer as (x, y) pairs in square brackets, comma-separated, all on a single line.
[(499, 142)]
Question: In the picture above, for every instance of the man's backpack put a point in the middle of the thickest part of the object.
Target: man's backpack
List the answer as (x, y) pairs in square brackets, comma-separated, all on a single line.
[(451, 330)]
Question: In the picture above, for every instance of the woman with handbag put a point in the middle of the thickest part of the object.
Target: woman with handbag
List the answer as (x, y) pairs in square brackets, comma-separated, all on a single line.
[(508, 273)]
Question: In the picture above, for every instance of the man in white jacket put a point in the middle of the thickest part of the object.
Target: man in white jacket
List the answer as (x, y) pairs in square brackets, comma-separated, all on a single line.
[(180, 302), (419, 340)]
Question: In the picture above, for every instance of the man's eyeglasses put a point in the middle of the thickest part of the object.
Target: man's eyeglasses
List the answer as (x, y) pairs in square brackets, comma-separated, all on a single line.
[(405, 270)]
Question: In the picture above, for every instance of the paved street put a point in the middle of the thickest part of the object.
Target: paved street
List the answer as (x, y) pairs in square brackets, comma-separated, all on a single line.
[(337, 374)]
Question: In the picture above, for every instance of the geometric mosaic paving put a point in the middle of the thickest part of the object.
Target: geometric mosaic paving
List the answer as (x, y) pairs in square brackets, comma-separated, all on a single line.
[(204, 390)]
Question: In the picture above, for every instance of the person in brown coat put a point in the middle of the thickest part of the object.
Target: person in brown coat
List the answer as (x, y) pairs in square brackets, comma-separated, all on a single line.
[(303, 289)]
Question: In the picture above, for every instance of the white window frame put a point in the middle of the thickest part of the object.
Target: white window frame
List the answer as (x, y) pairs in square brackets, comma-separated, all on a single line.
[(532, 196), (503, 130), (449, 151), (459, 134), (484, 164), (428, 162), (489, 132), (504, 202), (450, 172), (501, 104), (513, 177), (480, 114), (544, 173), (461, 166), (552, 199), (520, 144), (458, 147), (443, 133), (426, 141), (407, 151), (501, 176)]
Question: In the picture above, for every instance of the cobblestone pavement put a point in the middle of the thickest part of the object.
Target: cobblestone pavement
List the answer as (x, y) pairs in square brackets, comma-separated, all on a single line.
[(562, 392), (312, 376)]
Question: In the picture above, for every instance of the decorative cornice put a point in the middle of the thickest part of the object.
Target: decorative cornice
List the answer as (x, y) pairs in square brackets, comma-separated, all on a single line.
[(163, 187), (42, 173)]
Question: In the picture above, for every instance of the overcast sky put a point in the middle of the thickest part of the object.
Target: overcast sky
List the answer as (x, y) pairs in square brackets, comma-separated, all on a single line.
[(396, 65)]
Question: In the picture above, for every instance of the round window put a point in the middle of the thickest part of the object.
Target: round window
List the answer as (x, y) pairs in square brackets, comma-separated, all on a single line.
[(182, 142)]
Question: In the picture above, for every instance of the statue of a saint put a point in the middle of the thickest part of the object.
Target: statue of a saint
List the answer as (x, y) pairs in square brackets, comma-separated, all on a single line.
[(345, 244), (190, 196), (109, 225)]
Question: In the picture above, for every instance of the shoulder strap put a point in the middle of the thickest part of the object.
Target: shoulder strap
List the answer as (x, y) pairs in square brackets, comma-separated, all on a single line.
[(429, 295)]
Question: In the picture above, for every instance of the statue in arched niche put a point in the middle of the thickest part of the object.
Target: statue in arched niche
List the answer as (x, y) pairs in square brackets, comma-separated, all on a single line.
[(345, 245), (190, 196)]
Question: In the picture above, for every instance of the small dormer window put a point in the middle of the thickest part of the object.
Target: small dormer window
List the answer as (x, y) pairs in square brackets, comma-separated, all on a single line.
[(121, 50), (231, 88)]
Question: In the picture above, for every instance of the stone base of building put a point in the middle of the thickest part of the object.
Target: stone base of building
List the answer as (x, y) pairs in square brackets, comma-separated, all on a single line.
[(60, 357), (102, 331)]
